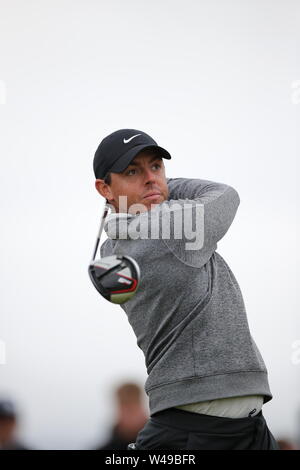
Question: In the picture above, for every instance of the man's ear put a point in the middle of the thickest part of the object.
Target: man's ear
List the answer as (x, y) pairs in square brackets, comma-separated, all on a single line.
[(103, 189)]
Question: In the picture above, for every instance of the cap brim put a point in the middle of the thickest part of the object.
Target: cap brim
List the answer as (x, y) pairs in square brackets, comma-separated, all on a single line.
[(123, 162)]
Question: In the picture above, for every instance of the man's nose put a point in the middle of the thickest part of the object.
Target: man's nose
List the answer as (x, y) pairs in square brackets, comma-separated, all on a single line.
[(149, 176)]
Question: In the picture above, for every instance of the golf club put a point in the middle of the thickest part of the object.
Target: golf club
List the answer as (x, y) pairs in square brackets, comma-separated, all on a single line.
[(115, 277)]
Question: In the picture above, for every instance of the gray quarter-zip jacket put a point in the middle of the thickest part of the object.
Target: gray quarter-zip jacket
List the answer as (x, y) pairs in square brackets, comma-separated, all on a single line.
[(188, 314)]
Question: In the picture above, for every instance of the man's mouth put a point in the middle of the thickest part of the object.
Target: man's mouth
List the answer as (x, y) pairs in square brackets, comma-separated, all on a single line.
[(152, 196)]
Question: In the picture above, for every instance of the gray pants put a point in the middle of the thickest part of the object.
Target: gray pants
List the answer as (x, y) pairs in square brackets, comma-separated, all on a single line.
[(179, 429)]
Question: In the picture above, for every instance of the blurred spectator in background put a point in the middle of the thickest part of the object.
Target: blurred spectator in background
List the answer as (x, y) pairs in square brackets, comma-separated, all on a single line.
[(131, 417), (286, 444), (8, 427)]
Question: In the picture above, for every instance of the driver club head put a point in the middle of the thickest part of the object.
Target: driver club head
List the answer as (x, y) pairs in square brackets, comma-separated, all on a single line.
[(115, 277)]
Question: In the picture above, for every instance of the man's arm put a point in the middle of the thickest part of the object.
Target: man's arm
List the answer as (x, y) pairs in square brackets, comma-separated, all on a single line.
[(202, 208), (220, 203)]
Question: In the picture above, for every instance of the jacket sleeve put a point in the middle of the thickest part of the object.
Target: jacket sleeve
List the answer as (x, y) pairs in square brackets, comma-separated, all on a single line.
[(219, 201), (198, 214)]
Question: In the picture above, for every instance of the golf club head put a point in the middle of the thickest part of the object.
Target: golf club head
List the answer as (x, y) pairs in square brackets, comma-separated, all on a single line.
[(116, 277)]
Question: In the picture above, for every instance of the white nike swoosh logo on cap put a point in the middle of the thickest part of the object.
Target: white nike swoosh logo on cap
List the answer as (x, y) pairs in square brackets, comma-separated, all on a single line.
[(128, 140)]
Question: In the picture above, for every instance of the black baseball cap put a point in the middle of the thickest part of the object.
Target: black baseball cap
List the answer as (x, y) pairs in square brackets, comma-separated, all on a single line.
[(116, 151)]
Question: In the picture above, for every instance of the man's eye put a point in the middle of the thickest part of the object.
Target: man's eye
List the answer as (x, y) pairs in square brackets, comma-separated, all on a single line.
[(129, 172)]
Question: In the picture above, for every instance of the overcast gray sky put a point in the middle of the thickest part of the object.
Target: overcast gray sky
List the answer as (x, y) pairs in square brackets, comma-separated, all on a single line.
[(217, 83)]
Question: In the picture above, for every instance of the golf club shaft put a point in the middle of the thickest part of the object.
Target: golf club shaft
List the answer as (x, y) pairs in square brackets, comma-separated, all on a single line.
[(106, 208)]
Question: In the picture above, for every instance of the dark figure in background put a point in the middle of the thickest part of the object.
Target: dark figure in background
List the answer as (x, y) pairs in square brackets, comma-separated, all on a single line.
[(8, 427), (131, 417)]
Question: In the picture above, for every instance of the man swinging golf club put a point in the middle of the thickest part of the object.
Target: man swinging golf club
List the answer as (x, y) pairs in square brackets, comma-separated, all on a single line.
[(207, 381)]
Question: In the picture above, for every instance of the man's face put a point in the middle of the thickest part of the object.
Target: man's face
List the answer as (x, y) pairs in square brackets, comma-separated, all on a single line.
[(143, 182)]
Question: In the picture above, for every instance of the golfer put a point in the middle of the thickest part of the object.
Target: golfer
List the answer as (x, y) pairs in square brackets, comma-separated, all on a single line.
[(207, 381)]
